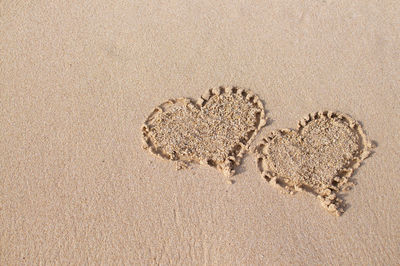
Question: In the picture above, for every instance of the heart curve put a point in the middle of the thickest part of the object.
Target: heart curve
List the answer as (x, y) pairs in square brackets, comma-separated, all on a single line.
[(216, 130), (319, 157)]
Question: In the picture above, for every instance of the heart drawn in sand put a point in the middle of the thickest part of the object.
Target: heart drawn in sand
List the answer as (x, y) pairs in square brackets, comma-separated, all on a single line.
[(216, 130), (319, 157)]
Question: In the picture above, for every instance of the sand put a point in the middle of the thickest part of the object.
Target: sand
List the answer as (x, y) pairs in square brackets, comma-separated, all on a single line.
[(79, 78)]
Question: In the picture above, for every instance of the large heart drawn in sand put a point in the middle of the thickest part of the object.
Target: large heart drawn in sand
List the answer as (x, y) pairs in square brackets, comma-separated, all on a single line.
[(216, 130), (318, 157)]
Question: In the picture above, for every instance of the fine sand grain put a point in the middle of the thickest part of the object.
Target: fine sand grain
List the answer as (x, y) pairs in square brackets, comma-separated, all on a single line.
[(216, 130), (320, 156)]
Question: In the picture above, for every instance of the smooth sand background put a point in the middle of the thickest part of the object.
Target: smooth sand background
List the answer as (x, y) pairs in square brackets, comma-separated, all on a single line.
[(78, 79)]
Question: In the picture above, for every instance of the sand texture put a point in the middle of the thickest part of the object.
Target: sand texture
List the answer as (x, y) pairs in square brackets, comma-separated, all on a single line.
[(79, 78), (216, 130), (319, 157)]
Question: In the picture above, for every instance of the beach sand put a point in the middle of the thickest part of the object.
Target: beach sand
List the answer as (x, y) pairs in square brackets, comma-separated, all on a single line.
[(79, 78)]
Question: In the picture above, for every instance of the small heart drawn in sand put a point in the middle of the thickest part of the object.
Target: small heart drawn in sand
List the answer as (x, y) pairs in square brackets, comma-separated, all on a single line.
[(319, 157), (216, 130)]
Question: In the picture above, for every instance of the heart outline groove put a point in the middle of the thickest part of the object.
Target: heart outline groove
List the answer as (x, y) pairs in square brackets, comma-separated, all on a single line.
[(181, 148), (295, 155)]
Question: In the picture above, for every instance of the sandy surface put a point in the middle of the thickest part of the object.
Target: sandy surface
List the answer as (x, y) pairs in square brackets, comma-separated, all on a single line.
[(78, 79)]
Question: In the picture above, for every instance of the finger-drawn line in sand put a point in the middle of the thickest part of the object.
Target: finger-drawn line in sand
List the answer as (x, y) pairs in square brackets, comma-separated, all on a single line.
[(216, 130), (319, 157)]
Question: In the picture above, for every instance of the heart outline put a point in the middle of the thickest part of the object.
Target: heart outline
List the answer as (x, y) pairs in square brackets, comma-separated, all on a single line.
[(232, 161), (326, 194)]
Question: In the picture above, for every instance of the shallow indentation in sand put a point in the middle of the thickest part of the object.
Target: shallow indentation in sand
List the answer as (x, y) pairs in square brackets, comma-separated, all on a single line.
[(216, 130), (319, 157)]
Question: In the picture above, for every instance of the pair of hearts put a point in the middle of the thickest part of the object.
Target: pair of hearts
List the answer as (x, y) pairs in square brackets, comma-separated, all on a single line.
[(218, 129)]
